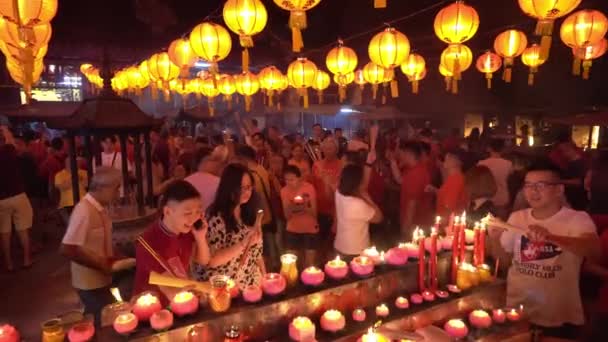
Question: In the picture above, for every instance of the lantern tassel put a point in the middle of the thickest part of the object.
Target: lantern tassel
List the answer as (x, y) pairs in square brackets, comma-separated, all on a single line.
[(246, 41), (384, 91), (374, 91), (454, 86), (545, 46), (297, 23), (586, 69), (305, 99), (415, 87), (270, 104), (544, 27), (228, 99), (531, 78), (489, 80), (448, 83), (394, 89), (296, 38), (576, 66), (342, 93), (320, 96), (358, 96), (247, 103), (245, 59), (379, 3)]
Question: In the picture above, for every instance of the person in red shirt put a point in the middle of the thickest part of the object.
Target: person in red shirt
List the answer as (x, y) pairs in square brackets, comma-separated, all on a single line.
[(55, 161), (326, 173), (451, 195), (178, 237)]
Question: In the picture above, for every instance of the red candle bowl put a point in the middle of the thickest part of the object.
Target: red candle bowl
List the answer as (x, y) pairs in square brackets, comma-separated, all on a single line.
[(8, 333), (252, 294), (513, 315), (273, 284), (396, 256), (362, 266), (469, 236), (456, 328), (480, 319), (332, 321), (233, 288), (125, 323), (411, 249), (416, 298), (446, 242), (402, 303), (161, 320), (184, 303), (312, 276), (359, 315), (145, 305), (79, 332), (428, 296), (336, 269), (498, 316), (302, 329)]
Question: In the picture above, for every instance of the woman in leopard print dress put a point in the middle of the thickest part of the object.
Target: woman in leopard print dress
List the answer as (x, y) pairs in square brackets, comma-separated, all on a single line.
[(235, 245)]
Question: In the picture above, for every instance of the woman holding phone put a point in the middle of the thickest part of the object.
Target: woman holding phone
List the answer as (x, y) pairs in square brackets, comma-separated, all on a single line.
[(234, 235)]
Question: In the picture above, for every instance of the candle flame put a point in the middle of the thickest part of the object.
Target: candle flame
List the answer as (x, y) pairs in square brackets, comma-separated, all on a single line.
[(437, 219), (521, 308), (147, 299), (476, 226), (337, 258), (116, 294)]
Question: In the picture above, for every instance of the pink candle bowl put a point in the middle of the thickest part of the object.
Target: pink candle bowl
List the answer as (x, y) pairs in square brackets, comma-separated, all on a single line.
[(480, 319), (273, 284), (359, 315), (312, 276), (302, 329), (469, 236), (411, 249), (8, 333), (428, 296), (362, 266), (402, 303), (145, 305), (336, 269), (184, 303), (442, 294), (456, 328), (125, 323), (498, 316), (396, 256), (446, 242), (382, 310), (233, 289), (373, 254), (332, 321), (416, 298), (161, 320), (453, 288), (427, 244), (79, 332), (513, 315), (252, 294)]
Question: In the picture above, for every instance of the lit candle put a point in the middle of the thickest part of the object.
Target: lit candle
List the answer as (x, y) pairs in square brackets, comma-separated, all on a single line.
[(298, 200), (513, 315), (480, 319), (482, 243), (485, 274), (336, 268), (79, 332), (184, 303), (8, 333), (453, 288), (161, 320), (373, 254), (233, 288), (456, 328), (476, 244), (302, 329), (273, 284), (455, 246), (410, 249), (462, 237), (289, 268), (498, 316), (433, 260), (437, 221), (421, 261), (382, 310), (312, 276), (372, 336), (332, 320), (442, 294), (125, 323), (362, 266), (428, 296), (219, 296), (145, 306), (359, 315), (416, 298), (252, 294), (396, 256), (402, 303)]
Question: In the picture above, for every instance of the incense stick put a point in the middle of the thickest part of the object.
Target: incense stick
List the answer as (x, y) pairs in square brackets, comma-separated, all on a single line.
[(155, 255)]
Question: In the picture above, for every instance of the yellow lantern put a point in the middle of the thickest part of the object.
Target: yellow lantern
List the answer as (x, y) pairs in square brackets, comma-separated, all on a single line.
[(161, 69), (181, 54), (546, 11), (412, 68), (374, 75), (245, 18), (508, 45), (136, 80), (447, 75), (34, 37), (488, 63), (247, 84), (209, 88), (342, 81), (456, 58), (456, 23), (211, 42), (531, 57), (341, 60), (321, 83), (27, 13), (271, 79), (416, 78), (360, 78), (389, 49), (226, 87), (590, 53), (582, 29), (26, 78), (301, 74), (297, 18)]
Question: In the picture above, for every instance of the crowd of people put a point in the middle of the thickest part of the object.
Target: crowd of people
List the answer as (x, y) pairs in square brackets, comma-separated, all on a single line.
[(231, 205)]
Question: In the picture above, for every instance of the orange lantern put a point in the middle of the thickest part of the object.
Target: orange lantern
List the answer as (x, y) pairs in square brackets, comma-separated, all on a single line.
[(360, 78), (456, 23), (26, 79), (343, 81), (546, 11), (416, 80), (531, 57), (456, 58), (297, 18), (582, 29), (247, 84), (389, 49), (136, 81), (412, 68), (508, 45), (27, 13), (301, 74), (379, 3), (271, 79), (33, 37), (341, 60), (208, 87), (245, 18), (227, 87), (321, 83), (590, 53), (488, 63), (447, 75), (374, 75), (181, 54), (211, 42), (161, 69)]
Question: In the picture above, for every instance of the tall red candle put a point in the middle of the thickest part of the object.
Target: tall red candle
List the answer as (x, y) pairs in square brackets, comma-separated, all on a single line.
[(476, 244), (455, 246), (437, 221), (433, 260), (463, 227), (482, 244), (421, 262)]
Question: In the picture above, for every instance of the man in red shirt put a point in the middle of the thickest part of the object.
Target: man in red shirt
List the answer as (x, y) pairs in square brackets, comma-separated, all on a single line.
[(175, 238), (55, 161)]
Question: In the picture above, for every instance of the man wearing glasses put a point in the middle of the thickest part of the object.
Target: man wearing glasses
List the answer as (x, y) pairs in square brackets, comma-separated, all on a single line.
[(547, 259)]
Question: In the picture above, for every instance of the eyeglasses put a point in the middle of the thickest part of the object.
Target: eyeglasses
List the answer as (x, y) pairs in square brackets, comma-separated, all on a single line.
[(538, 186)]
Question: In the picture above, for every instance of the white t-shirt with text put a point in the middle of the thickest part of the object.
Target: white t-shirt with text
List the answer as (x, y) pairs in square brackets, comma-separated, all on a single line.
[(352, 233)]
